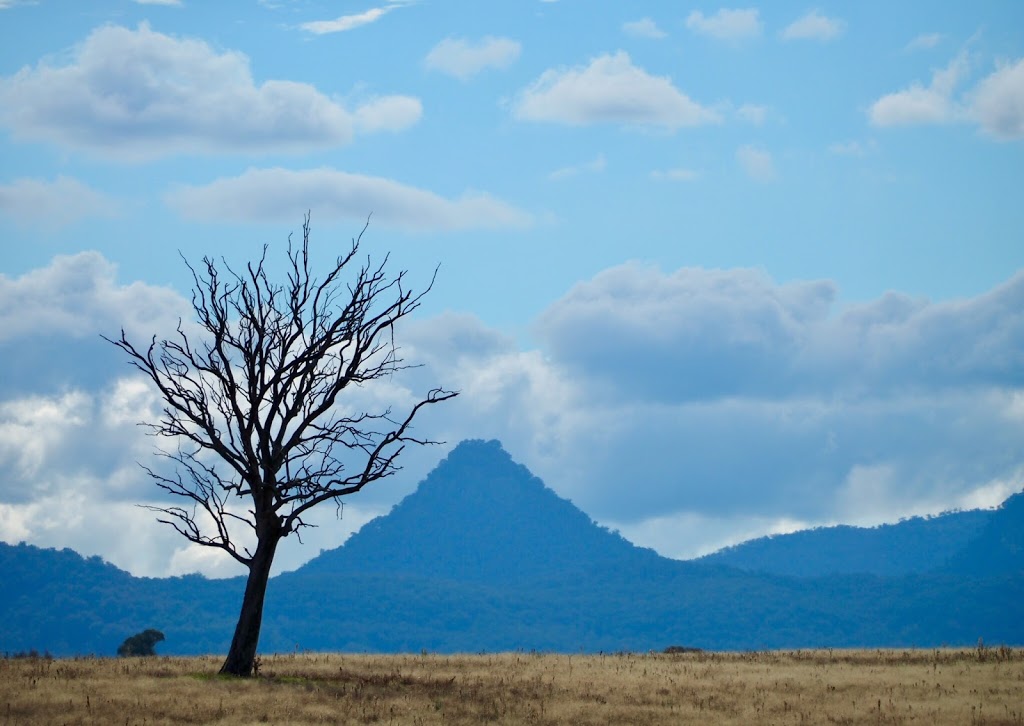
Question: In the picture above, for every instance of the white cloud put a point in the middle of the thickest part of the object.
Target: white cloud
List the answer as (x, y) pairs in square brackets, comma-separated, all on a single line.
[(594, 166), (920, 105), (53, 204), (676, 174), (998, 102), (273, 194), (388, 113), (349, 22), (753, 114), (729, 403), (757, 163), (726, 24), (924, 41), (140, 94), (643, 28), (610, 89), (464, 59), (995, 104), (77, 297), (814, 26)]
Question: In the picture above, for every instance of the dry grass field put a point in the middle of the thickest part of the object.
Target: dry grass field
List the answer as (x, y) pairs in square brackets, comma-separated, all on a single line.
[(976, 686)]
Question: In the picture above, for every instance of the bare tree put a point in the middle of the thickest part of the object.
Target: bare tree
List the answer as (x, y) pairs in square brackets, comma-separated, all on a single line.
[(252, 400)]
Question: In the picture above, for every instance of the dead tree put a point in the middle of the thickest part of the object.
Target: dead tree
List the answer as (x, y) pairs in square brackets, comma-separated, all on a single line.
[(252, 398)]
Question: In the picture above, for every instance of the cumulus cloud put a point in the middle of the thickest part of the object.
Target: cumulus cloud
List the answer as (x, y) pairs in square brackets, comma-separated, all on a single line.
[(726, 24), (998, 102), (464, 59), (995, 104), (388, 113), (610, 89), (814, 26), (757, 163), (140, 94), (58, 203), (274, 194), (922, 105), (643, 28)]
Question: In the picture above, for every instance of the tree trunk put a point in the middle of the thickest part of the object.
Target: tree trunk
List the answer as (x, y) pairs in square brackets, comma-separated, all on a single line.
[(242, 654)]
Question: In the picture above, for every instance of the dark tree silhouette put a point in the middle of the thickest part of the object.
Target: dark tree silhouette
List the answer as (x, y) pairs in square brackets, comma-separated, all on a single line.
[(251, 396), (140, 643)]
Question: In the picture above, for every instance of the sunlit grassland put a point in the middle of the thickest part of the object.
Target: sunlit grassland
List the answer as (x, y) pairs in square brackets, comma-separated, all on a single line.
[(982, 685)]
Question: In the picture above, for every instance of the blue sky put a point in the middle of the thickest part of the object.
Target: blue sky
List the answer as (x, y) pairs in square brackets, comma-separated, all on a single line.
[(711, 271)]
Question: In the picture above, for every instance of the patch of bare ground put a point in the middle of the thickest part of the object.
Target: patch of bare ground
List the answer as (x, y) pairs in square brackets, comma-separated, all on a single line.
[(975, 686)]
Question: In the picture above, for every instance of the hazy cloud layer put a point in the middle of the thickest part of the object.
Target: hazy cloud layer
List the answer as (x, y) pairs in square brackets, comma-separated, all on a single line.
[(274, 194), (715, 404), (53, 204), (609, 89), (140, 94), (464, 59)]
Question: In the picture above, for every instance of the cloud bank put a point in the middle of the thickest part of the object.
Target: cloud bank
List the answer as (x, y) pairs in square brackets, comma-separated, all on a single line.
[(689, 408), (274, 194)]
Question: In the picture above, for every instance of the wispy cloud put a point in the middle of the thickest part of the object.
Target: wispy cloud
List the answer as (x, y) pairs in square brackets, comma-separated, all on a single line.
[(924, 41), (814, 26), (756, 162), (610, 89), (594, 166), (643, 28), (464, 59), (726, 24), (350, 22), (753, 113)]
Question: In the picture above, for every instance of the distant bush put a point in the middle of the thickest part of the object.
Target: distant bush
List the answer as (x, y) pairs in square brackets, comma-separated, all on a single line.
[(33, 653), (140, 643), (676, 649)]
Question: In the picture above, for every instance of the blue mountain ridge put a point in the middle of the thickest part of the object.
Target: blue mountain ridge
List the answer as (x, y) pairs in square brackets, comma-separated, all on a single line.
[(483, 557)]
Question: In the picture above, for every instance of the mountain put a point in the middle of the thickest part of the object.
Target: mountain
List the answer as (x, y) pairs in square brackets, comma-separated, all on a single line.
[(999, 548), (917, 545), (480, 517), (483, 557)]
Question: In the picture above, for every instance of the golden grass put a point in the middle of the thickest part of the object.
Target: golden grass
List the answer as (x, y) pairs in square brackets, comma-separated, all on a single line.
[(814, 687)]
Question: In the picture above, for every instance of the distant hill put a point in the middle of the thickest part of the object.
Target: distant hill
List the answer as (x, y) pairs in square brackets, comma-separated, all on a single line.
[(999, 547), (916, 545), (483, 557), (480, 517)]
